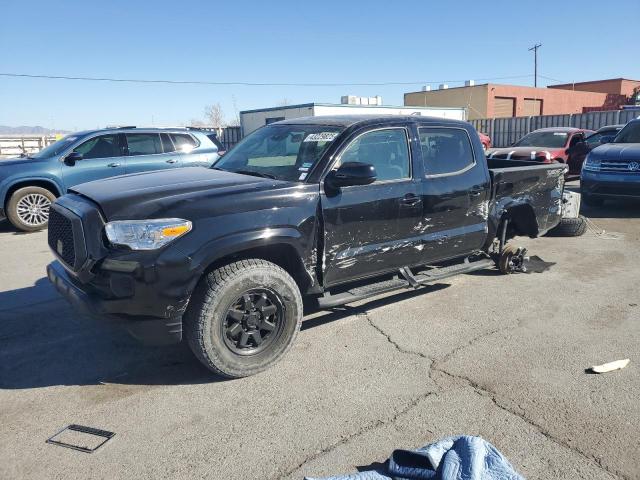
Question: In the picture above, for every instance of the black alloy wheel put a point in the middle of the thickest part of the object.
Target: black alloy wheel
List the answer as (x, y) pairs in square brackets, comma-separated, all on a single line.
[(253, 322)]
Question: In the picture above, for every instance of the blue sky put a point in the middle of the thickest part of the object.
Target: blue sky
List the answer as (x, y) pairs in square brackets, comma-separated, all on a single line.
[(285, 42)]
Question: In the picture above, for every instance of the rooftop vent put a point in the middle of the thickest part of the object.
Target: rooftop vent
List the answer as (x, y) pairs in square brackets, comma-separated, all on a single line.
[(469, 83), (443, 86)]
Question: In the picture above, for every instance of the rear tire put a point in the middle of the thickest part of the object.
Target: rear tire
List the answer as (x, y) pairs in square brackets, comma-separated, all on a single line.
[(232, 303), (28, 208), (569, 227), (504, 262)]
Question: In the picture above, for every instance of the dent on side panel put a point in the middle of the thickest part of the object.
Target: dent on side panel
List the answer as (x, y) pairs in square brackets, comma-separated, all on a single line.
[(538, 188)]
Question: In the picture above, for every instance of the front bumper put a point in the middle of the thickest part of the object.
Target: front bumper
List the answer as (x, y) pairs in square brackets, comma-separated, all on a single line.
[(150, 330), (610, 184)]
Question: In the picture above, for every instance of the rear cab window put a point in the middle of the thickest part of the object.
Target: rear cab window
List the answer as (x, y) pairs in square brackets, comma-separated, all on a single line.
[(445, 151)]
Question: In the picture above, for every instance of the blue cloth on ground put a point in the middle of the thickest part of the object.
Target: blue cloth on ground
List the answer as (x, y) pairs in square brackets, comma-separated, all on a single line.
[(453, 458)]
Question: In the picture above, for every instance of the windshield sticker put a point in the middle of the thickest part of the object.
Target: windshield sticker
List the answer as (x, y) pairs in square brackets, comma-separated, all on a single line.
[(321, 137), (302, 176)]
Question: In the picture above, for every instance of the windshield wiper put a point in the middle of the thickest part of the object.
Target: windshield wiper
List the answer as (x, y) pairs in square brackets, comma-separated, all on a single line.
[(255, 174)]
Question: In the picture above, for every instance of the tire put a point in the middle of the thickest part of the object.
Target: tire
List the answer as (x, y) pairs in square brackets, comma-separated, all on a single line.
[(569, 227), (28, 208), (505, 258), (219, 320), (592, 201)]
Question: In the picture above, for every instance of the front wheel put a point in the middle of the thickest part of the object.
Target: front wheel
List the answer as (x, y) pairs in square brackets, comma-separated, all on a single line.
[(28, 208), (243, 317)]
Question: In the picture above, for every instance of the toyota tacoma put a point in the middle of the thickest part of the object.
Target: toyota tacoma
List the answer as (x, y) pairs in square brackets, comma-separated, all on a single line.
[(327, 209)]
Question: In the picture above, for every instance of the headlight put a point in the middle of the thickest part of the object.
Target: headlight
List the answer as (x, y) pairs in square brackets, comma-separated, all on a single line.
[(592, 164), (146, 234)]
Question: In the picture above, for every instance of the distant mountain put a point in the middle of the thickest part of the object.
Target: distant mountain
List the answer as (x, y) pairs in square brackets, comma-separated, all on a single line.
[(24, 130)]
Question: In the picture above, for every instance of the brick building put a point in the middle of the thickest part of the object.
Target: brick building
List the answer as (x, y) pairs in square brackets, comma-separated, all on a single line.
[(492, 100)]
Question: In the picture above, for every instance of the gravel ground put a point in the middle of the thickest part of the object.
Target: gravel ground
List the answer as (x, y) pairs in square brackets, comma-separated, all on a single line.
[(498, 356)]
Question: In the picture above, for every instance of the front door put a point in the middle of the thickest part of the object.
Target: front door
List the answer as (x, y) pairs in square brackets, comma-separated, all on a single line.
[(102, 157), (455, 194), (369, 228), (150, 151)]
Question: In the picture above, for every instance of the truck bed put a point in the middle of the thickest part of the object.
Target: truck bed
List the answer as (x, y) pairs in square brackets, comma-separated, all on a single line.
[(539, 185)]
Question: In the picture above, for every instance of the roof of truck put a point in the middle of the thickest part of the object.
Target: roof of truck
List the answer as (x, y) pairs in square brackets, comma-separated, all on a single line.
[(349, 120)]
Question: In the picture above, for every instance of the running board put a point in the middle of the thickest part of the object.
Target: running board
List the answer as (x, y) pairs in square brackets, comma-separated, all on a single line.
[(405, 280)]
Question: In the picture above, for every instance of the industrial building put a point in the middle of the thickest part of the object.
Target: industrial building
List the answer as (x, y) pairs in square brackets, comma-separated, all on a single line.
[(251, 120), (492, 100)]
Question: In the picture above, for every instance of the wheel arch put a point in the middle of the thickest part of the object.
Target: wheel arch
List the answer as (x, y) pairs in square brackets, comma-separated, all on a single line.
[(286, 252), (31, 182)]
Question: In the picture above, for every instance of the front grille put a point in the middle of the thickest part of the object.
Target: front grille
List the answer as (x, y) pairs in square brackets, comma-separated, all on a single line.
[(61, 237), (621, 167)]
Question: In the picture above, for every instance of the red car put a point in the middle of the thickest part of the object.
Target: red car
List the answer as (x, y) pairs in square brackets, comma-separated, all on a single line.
[(486, 141), (556, 144)]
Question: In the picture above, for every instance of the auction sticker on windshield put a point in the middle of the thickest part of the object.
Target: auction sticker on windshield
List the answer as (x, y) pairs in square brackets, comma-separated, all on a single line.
[(321, 137)]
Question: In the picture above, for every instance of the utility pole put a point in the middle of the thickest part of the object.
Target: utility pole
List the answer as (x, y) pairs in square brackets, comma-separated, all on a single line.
[(535, 63)]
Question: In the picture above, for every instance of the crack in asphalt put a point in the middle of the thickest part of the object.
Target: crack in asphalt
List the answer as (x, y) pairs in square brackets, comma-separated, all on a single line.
[(365, 429), (436, 366)]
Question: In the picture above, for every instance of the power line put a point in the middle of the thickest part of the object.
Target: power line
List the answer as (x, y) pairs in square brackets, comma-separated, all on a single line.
[(248, 84)]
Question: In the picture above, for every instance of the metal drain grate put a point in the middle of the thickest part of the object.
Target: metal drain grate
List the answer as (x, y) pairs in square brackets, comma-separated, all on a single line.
[(83, 439)]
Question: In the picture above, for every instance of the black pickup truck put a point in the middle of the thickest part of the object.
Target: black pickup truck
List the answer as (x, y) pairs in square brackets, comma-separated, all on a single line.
[(330, 209)]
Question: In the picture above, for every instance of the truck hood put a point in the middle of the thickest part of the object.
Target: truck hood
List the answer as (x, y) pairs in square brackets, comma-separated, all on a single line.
[(155, 194), (524, 153), (617, 151)]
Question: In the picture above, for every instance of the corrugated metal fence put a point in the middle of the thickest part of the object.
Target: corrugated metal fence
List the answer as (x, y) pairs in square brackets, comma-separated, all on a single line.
[(506, 131), (229, 136)]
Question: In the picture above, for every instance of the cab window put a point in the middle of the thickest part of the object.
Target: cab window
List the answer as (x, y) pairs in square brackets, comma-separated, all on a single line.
[(445, 150), (102, 146), (387, 150)]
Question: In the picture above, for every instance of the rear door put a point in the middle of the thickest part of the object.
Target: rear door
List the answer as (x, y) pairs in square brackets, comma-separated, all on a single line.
[(148, 151), (102, 158), (455, 193), (368, 228)]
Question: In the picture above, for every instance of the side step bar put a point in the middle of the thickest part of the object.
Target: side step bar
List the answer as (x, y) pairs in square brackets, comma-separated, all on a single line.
[(406, 279)]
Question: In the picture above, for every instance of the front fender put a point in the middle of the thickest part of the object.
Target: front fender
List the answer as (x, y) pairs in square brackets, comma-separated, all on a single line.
[(219, 248)]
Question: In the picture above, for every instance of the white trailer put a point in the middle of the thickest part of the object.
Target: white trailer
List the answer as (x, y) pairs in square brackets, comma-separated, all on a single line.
[(251, 120)]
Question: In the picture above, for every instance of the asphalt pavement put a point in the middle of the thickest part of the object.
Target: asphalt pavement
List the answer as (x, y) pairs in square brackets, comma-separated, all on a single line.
[(498, 356)]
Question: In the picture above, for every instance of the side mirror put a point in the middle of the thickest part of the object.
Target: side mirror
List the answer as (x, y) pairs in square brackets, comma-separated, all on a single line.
[(352, 173), (72, 158), (606, 139)]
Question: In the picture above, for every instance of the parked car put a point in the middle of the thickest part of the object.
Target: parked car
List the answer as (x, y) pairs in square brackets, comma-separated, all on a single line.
[(612, 170), (336, 209), (485, 140), (557, 144), (606, 133), (29, 184), (213, 136)]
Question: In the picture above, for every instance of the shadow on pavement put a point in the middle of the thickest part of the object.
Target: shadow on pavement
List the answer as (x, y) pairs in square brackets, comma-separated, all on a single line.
[(44, 342)]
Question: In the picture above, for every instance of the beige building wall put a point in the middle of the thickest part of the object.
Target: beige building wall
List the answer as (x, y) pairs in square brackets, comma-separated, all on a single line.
[(474, 99)]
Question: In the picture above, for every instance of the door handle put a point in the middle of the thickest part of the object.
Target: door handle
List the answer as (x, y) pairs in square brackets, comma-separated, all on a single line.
[(410, 199), (113, 165), (172, 160), (476, 192)]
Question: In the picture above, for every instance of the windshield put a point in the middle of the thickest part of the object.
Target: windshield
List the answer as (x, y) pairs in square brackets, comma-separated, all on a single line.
[(283, 152), (629, 134), (56, 148), (543, 139)]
